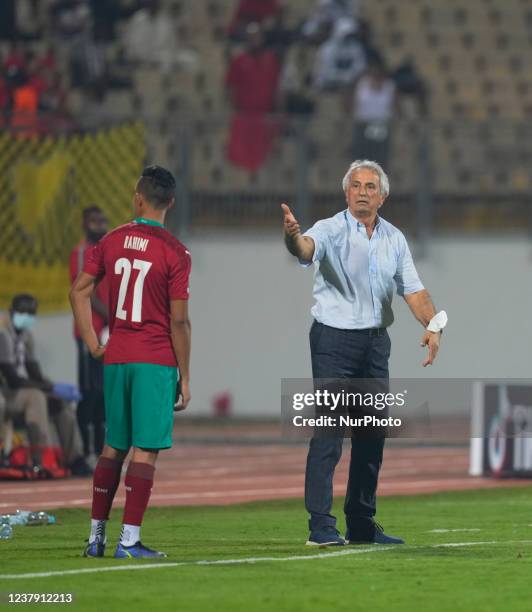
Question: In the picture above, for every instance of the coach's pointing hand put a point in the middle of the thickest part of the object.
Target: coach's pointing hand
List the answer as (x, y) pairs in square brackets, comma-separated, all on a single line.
[(291, 226), (300, 246)]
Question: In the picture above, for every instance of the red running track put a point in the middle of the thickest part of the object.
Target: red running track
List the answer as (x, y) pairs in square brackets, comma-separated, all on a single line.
[(217, 474)]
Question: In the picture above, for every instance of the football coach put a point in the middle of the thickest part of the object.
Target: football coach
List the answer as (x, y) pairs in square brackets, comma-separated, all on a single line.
[(360, 259)]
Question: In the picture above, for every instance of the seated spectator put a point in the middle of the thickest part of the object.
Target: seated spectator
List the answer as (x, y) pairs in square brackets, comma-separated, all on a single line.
[(38, 91), (374, 104), (37, 76), (252, 83), (106, 14), (30, 395), (22, 19), (410, 85), (341, 59), (150, 38), (47, 81), (296, 93), (327, 14), (15, 59), (55, 98), (277, 35), (72, 26), (24, 104), (30, 17), (262, 12), (5, 100), (48, 60), (70, 18), (27, 408), (93, 112), (7, 19)]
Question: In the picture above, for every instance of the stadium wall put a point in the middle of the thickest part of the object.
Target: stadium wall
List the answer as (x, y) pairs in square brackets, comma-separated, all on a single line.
[(250, 316)]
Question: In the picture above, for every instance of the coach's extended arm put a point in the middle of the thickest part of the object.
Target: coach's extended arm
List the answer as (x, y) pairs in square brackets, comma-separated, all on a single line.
[(300, 246)]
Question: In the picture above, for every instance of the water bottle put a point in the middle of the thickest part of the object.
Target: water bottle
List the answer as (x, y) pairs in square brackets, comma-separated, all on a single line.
[(20, 517), (27, 517), (40, 518), (6, 531)]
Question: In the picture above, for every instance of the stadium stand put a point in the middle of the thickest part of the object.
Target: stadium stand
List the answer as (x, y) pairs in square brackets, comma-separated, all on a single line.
[(470, 53)]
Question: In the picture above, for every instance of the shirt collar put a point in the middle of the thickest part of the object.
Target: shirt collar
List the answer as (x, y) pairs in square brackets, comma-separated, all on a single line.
[(148, 222), (360, 227)]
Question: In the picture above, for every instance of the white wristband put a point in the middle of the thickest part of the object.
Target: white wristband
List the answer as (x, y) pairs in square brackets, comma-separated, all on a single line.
[(438, 322)]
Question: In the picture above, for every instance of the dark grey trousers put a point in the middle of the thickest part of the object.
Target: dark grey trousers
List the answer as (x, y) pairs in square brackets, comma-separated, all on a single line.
[(91, 409), (351, 354)]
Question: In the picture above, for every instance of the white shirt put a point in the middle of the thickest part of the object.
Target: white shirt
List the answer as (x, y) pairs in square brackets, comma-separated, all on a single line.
[(355, 277), (150, 38), (372, 104)]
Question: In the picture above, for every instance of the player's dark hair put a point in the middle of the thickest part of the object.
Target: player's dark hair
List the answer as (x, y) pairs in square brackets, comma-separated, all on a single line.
[(24, 299), (157, 185), (87, 212)]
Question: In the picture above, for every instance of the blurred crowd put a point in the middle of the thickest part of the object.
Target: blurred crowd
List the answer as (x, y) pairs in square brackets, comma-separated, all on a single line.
[(275, 65), (269, 72), (49, 48)]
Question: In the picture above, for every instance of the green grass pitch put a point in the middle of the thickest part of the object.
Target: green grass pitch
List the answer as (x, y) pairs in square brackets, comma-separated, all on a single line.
[(489, 569)]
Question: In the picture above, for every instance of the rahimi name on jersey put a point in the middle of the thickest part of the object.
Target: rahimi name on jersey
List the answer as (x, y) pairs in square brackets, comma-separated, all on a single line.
[(137, 243)]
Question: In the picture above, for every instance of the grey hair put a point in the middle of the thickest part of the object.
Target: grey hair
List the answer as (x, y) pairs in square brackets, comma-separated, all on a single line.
[(371, 165)]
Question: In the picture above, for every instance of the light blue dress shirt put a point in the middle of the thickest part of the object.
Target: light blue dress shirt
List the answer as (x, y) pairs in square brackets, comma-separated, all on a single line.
[(355, 277)]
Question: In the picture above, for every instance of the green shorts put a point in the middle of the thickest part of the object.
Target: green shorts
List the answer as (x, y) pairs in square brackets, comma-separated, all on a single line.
[(139, 405)]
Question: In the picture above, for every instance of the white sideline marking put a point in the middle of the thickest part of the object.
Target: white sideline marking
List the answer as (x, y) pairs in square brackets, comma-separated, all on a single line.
[(458, 544), (250, 560), (117, 568), (450, 530)]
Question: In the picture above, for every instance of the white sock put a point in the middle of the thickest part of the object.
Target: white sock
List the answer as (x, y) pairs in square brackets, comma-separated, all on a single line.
[(97, 531), (129, 535)]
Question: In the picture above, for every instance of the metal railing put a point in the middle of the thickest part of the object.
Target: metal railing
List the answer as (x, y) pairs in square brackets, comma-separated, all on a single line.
[(452, 176), (446, 176), (304, 168)]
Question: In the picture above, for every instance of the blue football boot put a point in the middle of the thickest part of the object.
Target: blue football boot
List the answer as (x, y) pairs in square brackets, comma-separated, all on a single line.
[(137, 551), (94, 549)]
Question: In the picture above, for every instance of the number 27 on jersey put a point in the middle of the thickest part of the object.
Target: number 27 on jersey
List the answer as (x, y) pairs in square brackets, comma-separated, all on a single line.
[(123, 267)]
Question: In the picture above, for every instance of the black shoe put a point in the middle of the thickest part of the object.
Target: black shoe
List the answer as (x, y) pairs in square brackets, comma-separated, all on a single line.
[(369, 532), (328, 536), (80, 467)]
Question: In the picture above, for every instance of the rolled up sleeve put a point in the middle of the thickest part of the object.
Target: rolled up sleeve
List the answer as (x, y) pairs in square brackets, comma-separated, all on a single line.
[(319, 235), (406, 276)]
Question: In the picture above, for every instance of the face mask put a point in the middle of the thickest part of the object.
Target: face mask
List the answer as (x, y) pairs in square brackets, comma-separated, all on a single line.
[(95, 236), (23, 320)]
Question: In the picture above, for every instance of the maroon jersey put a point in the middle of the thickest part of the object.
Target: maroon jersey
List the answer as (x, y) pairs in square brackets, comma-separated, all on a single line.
[(77, 260), (145, 268)]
